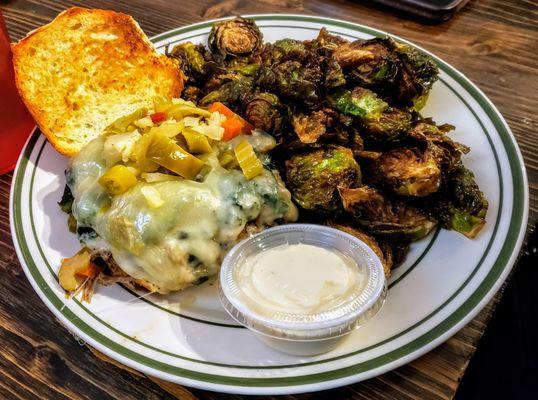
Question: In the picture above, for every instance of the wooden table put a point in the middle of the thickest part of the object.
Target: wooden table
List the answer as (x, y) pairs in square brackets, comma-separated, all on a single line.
[(491, 41)]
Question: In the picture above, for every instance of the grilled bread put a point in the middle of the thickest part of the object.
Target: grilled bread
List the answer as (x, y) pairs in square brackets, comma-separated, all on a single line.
[(86, 69)]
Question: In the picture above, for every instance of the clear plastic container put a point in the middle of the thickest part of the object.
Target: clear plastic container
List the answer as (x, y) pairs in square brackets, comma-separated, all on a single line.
[(304, 334)]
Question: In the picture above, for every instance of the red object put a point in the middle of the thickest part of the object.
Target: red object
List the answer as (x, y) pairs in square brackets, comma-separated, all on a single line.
[(16, 123), (158, 117)]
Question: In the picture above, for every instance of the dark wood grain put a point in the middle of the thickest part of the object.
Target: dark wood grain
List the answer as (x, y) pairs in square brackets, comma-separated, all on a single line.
[(491, 41)]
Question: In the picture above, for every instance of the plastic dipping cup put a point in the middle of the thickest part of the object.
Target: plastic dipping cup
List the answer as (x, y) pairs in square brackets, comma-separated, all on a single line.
[(300, 333), (16, 122)]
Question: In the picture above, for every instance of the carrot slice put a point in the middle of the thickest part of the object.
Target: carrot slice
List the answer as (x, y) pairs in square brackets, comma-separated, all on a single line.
[(90, 271), (221, 108), (232, 128), (246, 127)]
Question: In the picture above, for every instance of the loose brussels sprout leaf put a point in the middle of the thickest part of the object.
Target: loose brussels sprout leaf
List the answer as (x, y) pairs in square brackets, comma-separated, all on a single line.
[(263, 111), (360, 102), (384, 216), (427, 128), (313, 178), (328, 41), (66, 201), (235, 37), (369, 62), (409, 171), (309, 128), (386, 260)]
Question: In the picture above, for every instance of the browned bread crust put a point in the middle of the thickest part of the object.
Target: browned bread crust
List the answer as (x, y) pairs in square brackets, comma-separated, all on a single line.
[(87, 68)]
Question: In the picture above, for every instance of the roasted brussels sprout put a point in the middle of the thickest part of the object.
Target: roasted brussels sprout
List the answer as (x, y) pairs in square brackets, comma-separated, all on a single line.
[(313, 178), (263, 111), (191, 93), (447, 152), (380, 122), (395, 251), (191, 57), (293, 80), (334, 76), (289, 49), (409, 171), (461, 206), (360, 102), (229, 92), (369, 62), (235, 37), (391, 124), (418, 74), (383, 216), (243, 66), (331, 104), (384, 256)]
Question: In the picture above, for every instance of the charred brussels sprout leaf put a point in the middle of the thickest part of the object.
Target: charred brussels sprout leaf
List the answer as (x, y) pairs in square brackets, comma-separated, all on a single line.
[(327, 41), (309, 128), (409, 171), (383, 216), (368, 62), (362, 103), (236, 37), (313, 178), (66, 201), (263, 111)]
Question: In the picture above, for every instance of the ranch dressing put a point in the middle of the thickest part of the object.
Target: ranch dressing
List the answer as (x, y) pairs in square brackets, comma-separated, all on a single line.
[(300, 279)]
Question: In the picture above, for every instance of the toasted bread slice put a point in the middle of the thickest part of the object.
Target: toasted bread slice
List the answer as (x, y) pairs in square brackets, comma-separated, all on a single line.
[(86, 69)]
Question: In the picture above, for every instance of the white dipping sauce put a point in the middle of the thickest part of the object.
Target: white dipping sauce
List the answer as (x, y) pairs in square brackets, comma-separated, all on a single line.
[(299, 278)]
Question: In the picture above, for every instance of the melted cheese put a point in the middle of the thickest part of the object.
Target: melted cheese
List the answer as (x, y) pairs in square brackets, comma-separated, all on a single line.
[(186, 237)]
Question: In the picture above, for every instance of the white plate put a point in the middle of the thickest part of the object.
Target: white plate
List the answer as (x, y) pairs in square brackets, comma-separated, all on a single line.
[(188, 338)]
